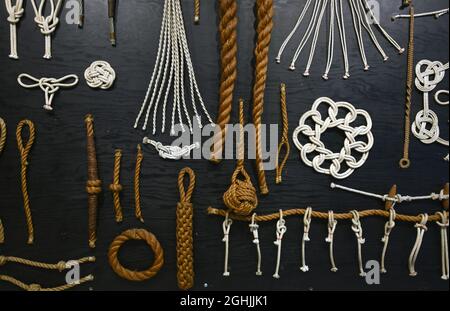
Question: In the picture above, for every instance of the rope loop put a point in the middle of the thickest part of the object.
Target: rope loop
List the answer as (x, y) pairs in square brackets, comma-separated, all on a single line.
[(186, 195)]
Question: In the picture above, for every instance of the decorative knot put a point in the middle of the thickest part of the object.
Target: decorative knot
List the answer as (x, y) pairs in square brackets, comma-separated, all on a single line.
[(94, 186), (115, 187), (61, 266), (47, 25), (15, 14), (241, 197), (100, 74), (170, 152)]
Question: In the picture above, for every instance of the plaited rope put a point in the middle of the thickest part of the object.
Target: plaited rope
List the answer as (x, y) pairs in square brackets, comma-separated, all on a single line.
[(185, 239), (284, 143), (24, 150), (241, 197), (264, 9), (228, 76), (116, 187), (197, 11), (39, 288), (132, 275), (93, 186), (137, 183)]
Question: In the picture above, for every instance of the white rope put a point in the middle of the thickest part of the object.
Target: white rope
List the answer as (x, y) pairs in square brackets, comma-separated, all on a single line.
[(15, 13), (170, 152), (254, 230), (443, 224), (343, 38), (357, 25), (421, 229), (281, 230), (357, 229), (100, 74), (305, 238), (47, 24), (436, 14), (351, 144), (332, 223), (48, 85), (390, 224), (330, 50), (226, 226)]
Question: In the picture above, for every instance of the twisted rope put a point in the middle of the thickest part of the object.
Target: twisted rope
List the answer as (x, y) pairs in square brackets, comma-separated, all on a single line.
[(60, 266), (116, 187), (137, 183), (284, 143), (197, 11), (2, 135), (24, 150), (132, 275), (185, 240), (264, 10), (2, 233), (15, 13), (39, 288)]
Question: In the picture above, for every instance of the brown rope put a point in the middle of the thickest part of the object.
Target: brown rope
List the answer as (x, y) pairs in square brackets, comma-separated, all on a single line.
[(116, 187), (405, 162), (228, 75), (137, 182), (136, 234), (264, 10), (2, 135), (185, 240), (60, 266), (241, 197), (284, 144), (445, 203), (2, 233), (24, 150), (197, 11), (39, 288), (93, 186)]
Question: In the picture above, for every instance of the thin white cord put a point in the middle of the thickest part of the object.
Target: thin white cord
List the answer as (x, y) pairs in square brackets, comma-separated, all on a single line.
[(343, 37), (357, 25), (421, 229), (390, 224), (305, 238), (443, 224), (254, 230), (281, 230), (357, 229), (436, 14), (226, 226), (15, 14), (332, 223), (330, 40)]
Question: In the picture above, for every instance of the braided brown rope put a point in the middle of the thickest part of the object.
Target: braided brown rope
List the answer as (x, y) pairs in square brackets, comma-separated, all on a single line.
[(405, 162), (264, 9), (197, 11), (137, 182), (185, 239), (2, 135), (228, 75), (24, 150), (93, 186), (241, 198), (39, 288), (284, 143), (60, 266), (116, 187), (136, 234)]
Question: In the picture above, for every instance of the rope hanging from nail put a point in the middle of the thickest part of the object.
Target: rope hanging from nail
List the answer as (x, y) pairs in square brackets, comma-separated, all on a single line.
[(388, 227), (357, 229), (305, 238), (281, 230), (137, 183), (226, 226), (15, 13), (116, 187), (332, 223), (185, 239), (254, 231), (421, 229), (284, 143), (24, 150)]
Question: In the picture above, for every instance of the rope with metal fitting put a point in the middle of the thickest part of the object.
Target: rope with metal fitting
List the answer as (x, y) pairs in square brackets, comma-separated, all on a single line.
[(197, 11), (185, 239), (421, 227), (241, 197), (15, 13), (284, 143), (443, 225), (137, 183), (24, 150), (133, 275), (116, 187)]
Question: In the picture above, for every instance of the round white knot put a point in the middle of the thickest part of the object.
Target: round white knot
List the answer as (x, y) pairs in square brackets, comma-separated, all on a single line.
[(100, 74)]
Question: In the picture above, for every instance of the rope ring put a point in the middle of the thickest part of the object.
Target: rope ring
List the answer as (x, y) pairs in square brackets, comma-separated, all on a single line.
[(136, 234), (100, 74)]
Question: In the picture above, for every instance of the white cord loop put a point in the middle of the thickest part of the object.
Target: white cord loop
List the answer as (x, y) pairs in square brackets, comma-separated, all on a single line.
[(332, 223), (170, 152), (100, 74), (15, 13), (48, 85), (254, 230), (443, 224), (351, 142), (357, 229), (436, 14), (421, 229), (47, 24), (306, 227), (388, 227), (226, 226), (281, 230)]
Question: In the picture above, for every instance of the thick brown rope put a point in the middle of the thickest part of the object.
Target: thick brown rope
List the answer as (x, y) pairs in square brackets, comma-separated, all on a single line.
[(2, 233), (228, 61), (116, 187), (284, 143), (39, 288), (60, 266), (241, 198), (264, 9), (24, 150), (136, 234), (197, 11), (2, 135), (137, 183), (185, 239), (93, 186), (405, 162)]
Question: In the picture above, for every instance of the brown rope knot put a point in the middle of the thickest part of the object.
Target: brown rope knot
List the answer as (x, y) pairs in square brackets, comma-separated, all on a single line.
[(241, 197), (116, 188), (94, 186), (3, 260)]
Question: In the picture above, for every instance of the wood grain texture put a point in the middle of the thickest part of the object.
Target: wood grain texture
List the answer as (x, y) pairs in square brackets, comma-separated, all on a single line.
[(57, 174)]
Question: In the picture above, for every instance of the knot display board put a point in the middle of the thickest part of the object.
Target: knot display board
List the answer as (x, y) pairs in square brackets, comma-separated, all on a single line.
[(58, 162)]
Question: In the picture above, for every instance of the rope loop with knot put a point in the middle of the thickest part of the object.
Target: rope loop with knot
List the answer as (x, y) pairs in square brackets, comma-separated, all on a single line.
[(185, 239), (443, 224), (15, 13), (100, 74), (357, 229), (421, 228), (170, 152), (305, 238)]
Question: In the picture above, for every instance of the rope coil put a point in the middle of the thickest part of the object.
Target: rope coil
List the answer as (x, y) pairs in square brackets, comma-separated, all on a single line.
[(116, 187), (15, 13)]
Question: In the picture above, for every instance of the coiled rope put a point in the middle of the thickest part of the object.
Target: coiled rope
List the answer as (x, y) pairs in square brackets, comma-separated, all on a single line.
[(116, 187)]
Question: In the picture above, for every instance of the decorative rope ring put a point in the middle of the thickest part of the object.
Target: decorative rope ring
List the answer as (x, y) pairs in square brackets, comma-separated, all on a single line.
[(136, 234), (352, 143), (100, 74)]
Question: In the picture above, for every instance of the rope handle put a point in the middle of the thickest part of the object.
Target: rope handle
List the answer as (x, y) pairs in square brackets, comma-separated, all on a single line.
[(24, 149), (185, 196)]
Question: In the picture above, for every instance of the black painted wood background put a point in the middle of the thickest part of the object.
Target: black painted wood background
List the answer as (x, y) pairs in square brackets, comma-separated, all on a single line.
[(57, 171)]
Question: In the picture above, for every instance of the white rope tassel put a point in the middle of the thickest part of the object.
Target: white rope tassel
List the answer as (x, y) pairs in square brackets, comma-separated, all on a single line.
[(15, 13), (390, 224), (281, 230), (306, 227), (48, 85), (443, 224), (173, 64), (226, 239), (332, 223), (357, 229), (254, 230), (47, 24), (421, 229)]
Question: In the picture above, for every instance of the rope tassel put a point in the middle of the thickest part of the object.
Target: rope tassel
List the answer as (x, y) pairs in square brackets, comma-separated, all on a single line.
[(443, 224), (357, 229), (421, 229), (254, 230), (306, 226), (281, 230)]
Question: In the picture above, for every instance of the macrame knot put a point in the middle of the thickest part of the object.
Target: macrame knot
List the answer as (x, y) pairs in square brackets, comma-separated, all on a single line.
[(34, 287), (116, 188), (3, 260), (93, 186), (100, 74), (15, 14), (241, 197), (47, 25)]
